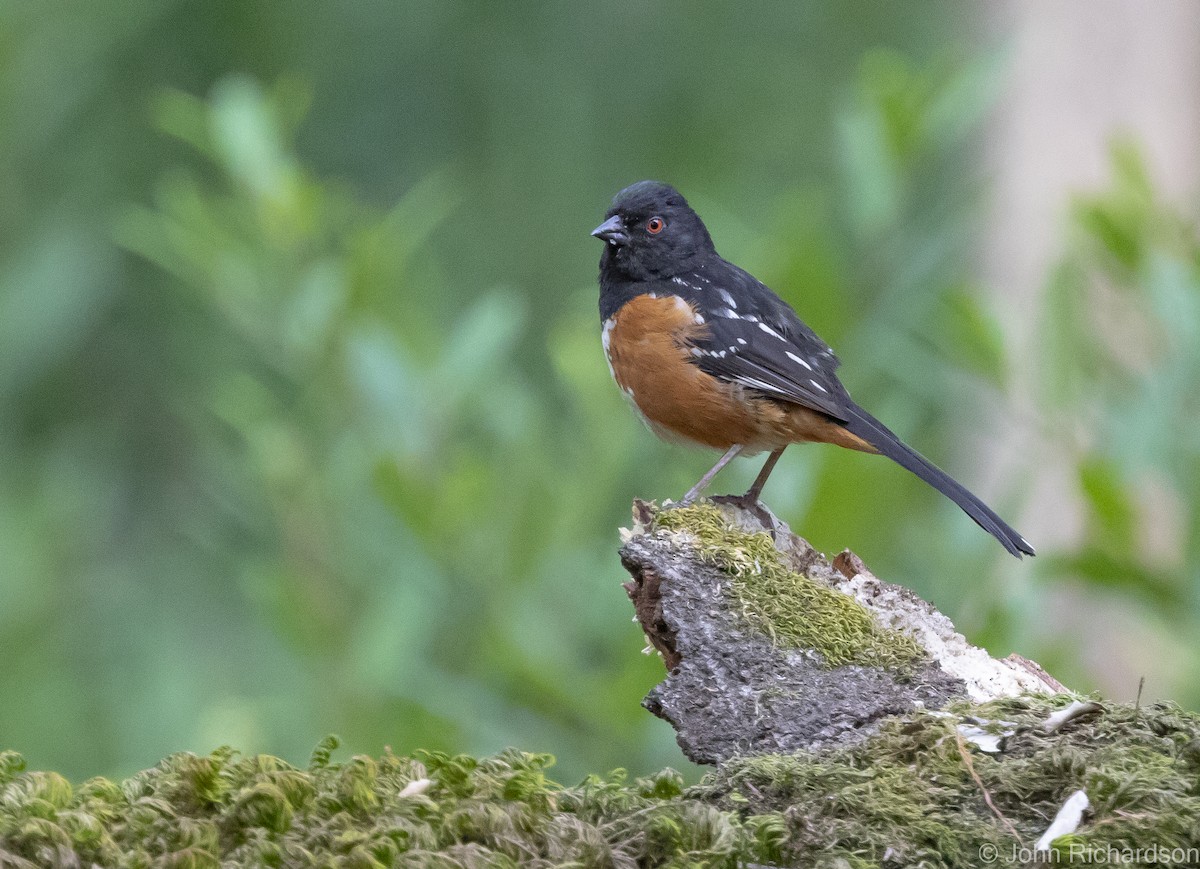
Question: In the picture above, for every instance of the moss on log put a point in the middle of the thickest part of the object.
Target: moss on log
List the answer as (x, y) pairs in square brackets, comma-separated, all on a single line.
[(916, 793), (770, 647), (852, 726)]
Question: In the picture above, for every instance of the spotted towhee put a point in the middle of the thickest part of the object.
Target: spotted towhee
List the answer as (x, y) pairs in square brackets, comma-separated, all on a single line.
[(709, 355)]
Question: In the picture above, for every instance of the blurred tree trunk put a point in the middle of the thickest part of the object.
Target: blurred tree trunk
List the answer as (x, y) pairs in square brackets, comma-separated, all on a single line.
[(1079, 75)]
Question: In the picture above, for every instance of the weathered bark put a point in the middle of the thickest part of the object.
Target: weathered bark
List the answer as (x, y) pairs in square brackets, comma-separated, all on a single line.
[(743, 679), (1007, 782)]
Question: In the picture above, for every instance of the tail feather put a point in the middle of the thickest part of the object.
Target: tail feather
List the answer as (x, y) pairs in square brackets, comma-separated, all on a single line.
[(880, 436)]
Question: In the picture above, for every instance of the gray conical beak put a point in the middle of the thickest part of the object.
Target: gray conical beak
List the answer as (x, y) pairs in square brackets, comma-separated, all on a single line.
[(612, 231)]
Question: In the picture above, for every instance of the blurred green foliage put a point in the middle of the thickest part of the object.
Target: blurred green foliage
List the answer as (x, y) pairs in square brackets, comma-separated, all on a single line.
[(305, 423), (1123, 337)]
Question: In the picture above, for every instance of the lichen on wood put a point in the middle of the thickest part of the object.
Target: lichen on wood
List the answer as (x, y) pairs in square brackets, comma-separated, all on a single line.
[(772, 648), (791, 609), (851, 750)]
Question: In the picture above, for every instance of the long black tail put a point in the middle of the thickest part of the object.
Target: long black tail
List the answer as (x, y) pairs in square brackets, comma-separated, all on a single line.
[(880, 436)]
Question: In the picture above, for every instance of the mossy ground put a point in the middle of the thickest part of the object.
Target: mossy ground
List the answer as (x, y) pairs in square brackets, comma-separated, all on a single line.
[(908, 793), (436, 810), (905, 797), (793, 610)]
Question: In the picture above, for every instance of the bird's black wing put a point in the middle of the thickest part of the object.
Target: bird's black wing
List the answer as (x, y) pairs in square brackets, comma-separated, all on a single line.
[(761, 344), (753, 338)]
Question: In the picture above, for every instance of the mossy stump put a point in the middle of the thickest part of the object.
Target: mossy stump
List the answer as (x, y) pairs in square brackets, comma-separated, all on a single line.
[(771, 648), (914, 794), (985, 780)]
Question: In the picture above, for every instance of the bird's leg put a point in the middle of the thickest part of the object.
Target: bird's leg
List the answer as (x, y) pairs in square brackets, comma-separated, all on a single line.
[(693, 492), (751, 496), (749, 501)]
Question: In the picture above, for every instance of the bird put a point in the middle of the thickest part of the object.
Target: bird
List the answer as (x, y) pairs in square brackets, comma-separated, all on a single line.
[(709, 355)]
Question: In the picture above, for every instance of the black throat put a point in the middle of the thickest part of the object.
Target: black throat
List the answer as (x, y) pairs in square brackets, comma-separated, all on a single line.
[(621, 281)]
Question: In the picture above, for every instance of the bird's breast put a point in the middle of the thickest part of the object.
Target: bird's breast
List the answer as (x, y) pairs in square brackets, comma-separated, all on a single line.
[(649, 341)]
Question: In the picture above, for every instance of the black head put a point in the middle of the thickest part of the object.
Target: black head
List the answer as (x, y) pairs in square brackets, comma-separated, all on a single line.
[(651, 232)]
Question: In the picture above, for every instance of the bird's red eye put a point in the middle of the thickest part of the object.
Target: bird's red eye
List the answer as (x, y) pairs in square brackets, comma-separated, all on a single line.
[(655, 225)]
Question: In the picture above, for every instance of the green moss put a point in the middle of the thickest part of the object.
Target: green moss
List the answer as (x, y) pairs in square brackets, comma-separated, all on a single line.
[(457, 810), (902, 798), (908, 791), (793, 610)]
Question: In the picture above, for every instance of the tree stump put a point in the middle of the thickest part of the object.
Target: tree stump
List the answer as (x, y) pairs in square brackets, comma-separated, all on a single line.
[(771, 648)]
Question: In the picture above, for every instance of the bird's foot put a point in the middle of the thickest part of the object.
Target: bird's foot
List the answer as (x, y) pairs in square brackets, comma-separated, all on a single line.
[(750, 503), (744, 502)]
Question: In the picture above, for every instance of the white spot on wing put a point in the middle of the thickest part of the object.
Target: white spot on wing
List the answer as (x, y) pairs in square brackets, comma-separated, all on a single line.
[(727, 313), (679, 280), (798, 360), (817, 385), (699, 320), (728, 297), (755, 383), (771, 331), (741, 340)]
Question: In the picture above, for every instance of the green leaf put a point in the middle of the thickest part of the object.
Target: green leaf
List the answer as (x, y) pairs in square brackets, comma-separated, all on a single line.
[(1110, 505), (976, 341)]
